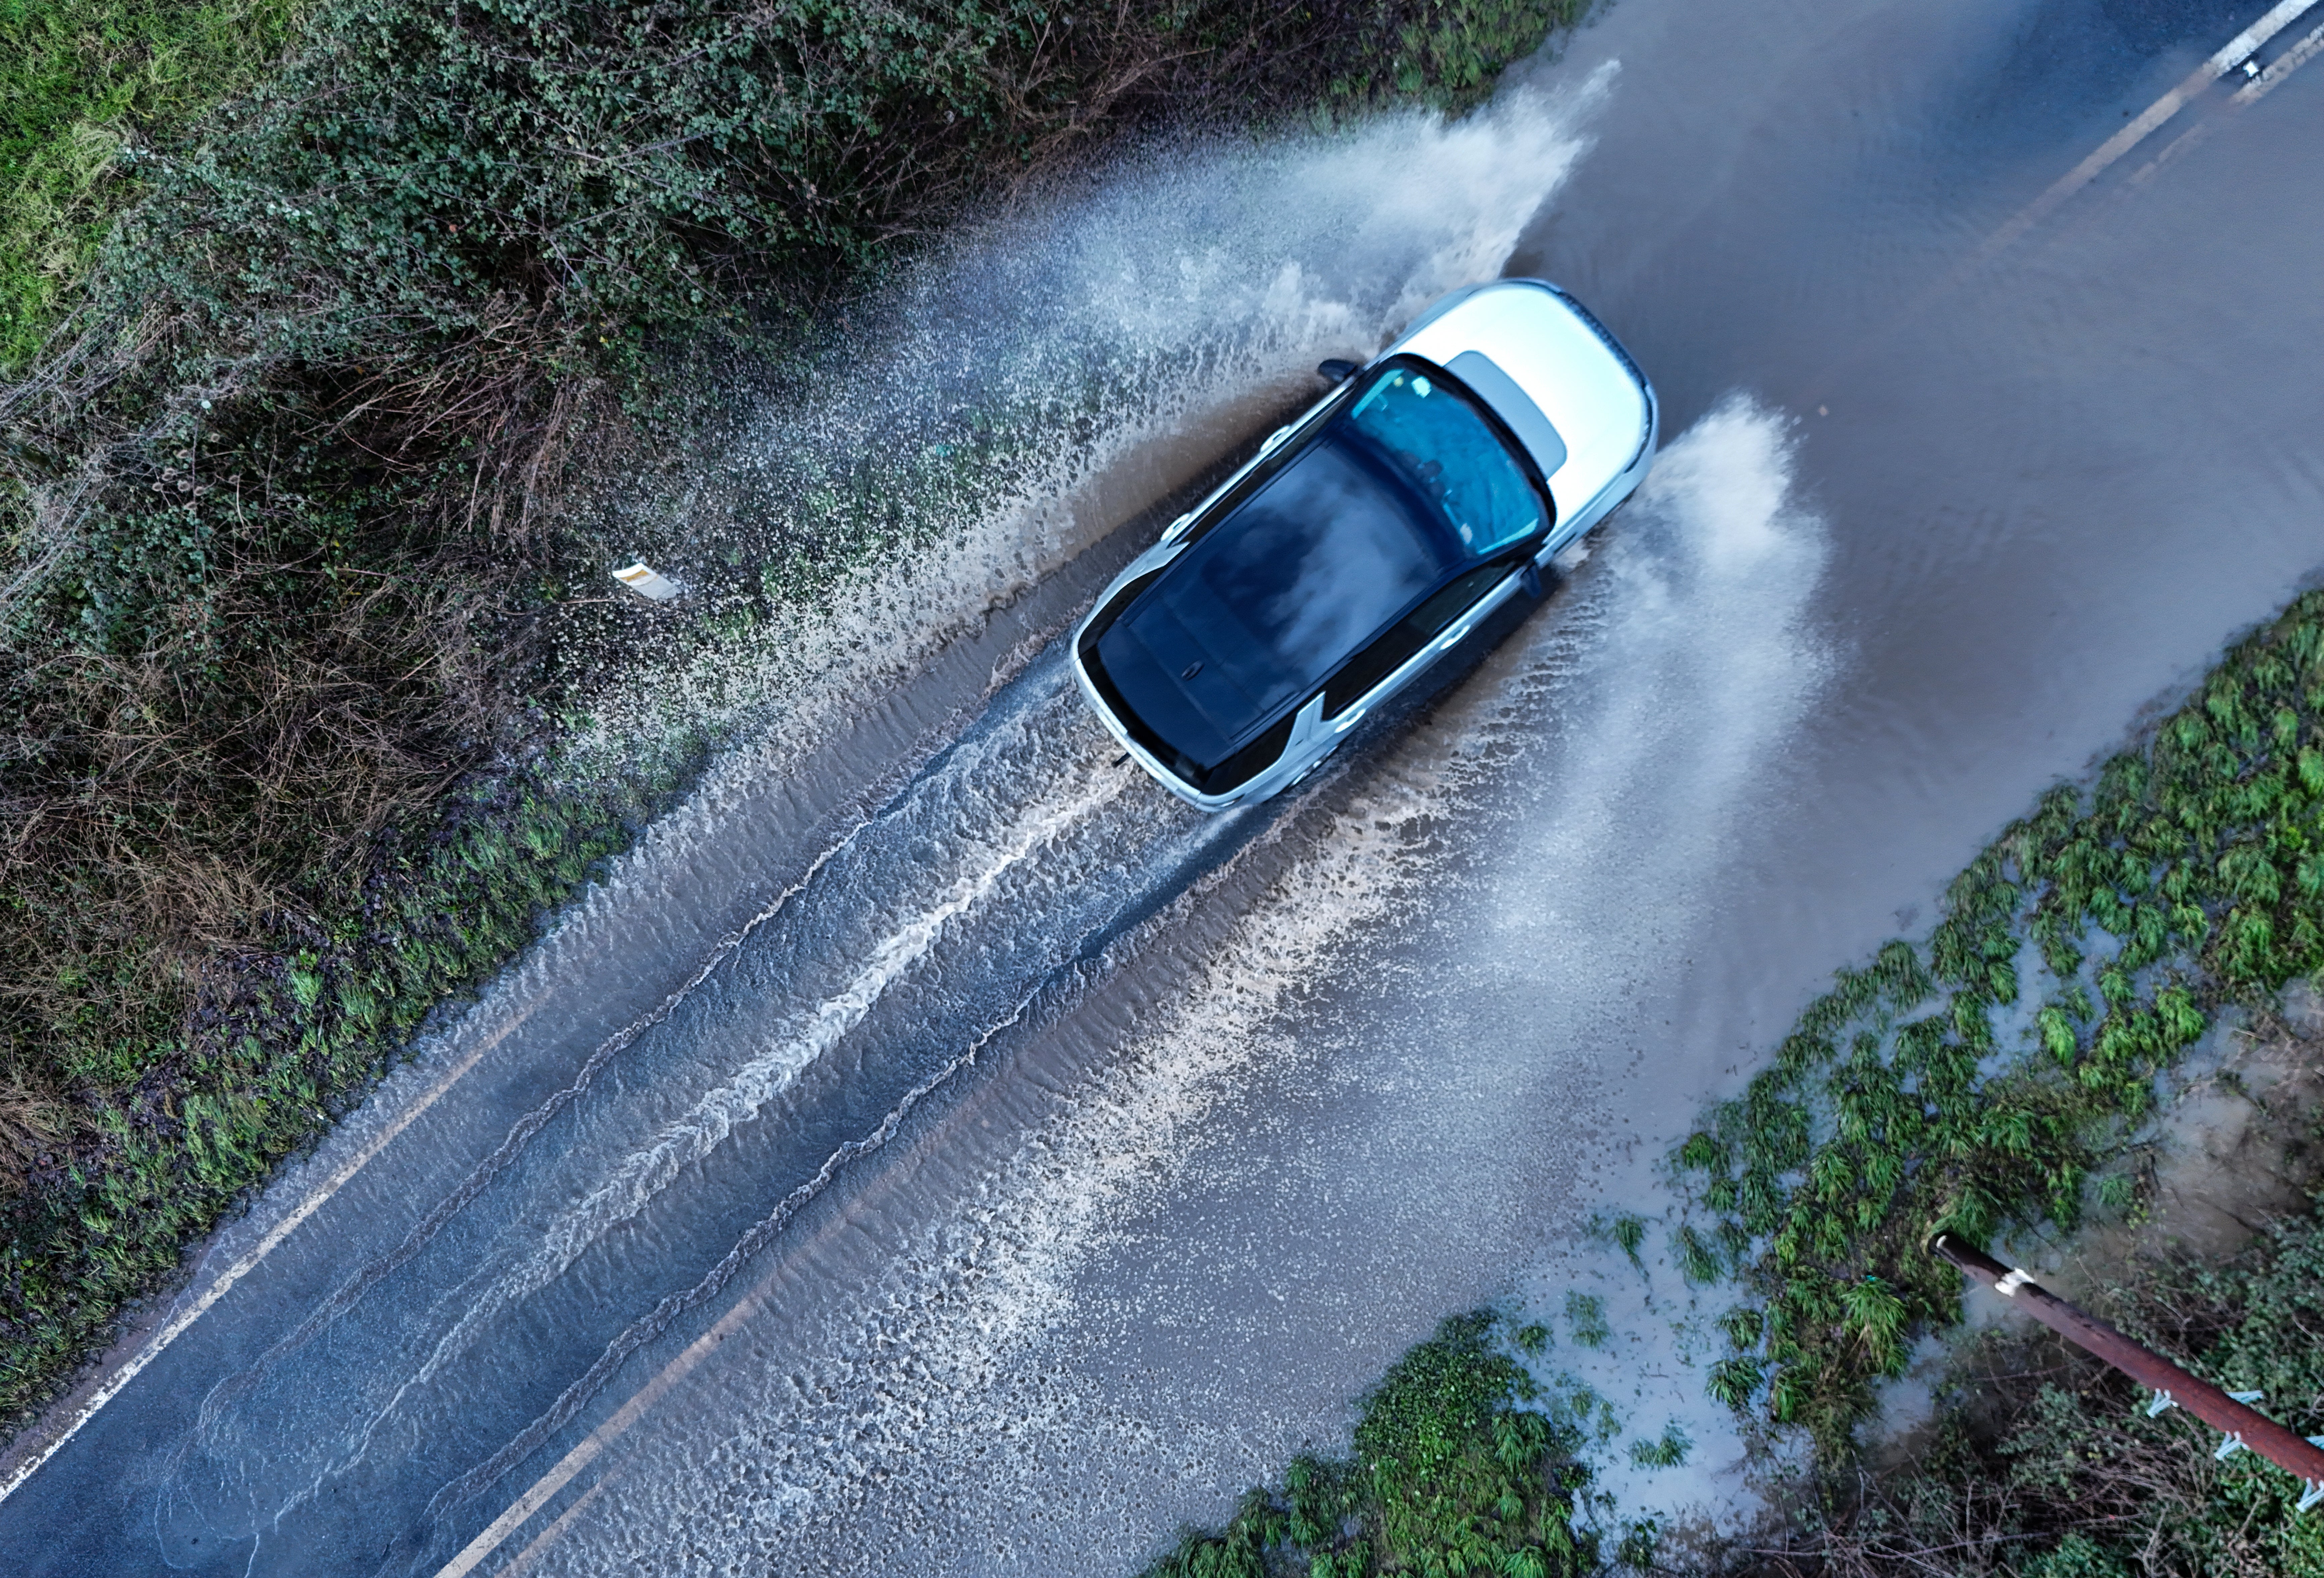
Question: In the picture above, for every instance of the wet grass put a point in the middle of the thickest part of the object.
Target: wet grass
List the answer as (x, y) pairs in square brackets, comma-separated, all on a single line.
[(2112, 922), (1454, 1471), (85, 85)]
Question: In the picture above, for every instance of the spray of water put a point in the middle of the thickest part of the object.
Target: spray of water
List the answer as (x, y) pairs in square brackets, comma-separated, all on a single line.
[(1027, 359), (947, 1391)]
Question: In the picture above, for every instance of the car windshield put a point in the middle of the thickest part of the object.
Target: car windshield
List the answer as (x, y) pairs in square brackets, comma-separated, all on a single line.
[(1402, 489), (1451, 455)]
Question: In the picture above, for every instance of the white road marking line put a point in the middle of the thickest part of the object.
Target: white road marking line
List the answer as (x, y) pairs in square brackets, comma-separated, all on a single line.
[(2249, 94), (175, 1327), (525, 1560), (521, 1512), (2236, 51), (2285, 64)]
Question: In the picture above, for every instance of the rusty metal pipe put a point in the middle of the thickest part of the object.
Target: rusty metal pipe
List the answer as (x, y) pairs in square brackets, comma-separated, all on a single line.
[(2238, 1421)]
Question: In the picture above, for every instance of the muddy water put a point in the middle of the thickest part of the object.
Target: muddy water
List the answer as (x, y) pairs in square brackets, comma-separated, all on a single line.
[(936, 1152)]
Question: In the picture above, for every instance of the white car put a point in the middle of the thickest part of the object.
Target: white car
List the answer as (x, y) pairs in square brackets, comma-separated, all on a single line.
[(1366, 539)]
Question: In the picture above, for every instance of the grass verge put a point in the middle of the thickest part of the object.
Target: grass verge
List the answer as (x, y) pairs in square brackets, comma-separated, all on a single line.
[(2045, 1463), (82, 84)]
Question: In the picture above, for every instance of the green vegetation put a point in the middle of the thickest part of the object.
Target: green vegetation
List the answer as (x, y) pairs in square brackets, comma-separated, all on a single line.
[(2046, 1465), (82, 82), (1451, 1474), (2000, 1075), (290, 648), (2112, 923)]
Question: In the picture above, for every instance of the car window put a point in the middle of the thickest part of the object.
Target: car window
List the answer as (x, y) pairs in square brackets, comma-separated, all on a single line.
[(1452, 456), (1403, 641), (1363, 531), (1252, 616)]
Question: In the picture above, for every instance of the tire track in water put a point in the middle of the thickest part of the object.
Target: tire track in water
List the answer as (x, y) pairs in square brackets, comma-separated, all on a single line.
[(1033, 737), (521, 1133), (1189, 856), (643, 1174)]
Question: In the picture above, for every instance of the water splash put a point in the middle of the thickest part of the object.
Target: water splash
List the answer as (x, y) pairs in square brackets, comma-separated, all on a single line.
[(1022, 361), (941, 1402)]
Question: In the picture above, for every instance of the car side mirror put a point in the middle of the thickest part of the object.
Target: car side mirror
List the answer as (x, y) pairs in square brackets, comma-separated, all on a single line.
[(1338, 370), (1529, 578)]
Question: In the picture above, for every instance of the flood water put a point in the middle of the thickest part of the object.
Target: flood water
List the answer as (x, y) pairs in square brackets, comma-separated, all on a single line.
[(936, 1150)]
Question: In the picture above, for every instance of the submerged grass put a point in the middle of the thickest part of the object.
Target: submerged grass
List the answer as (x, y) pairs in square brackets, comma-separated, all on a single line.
[(2114, 922)]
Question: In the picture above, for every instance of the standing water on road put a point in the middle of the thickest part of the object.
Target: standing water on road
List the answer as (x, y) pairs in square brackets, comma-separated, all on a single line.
[(935, 1150)]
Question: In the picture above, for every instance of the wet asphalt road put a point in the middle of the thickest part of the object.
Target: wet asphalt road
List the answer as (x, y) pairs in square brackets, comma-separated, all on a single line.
[(1040, 1162)]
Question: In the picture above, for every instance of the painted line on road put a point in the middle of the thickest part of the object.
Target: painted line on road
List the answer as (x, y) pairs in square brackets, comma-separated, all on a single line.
[(2249, 94), (2291, 61), (525, 1560), (316, 1198), (2236, 51), (520, 1512)]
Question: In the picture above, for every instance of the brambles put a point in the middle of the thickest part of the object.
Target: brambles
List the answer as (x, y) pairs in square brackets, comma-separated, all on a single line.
[(2191, 875)]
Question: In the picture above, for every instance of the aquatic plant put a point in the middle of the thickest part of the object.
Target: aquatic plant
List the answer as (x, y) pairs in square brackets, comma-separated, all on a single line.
[(2188, 876)]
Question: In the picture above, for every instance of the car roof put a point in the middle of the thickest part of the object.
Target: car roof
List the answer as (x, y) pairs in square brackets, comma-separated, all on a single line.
[(1291, 581)]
